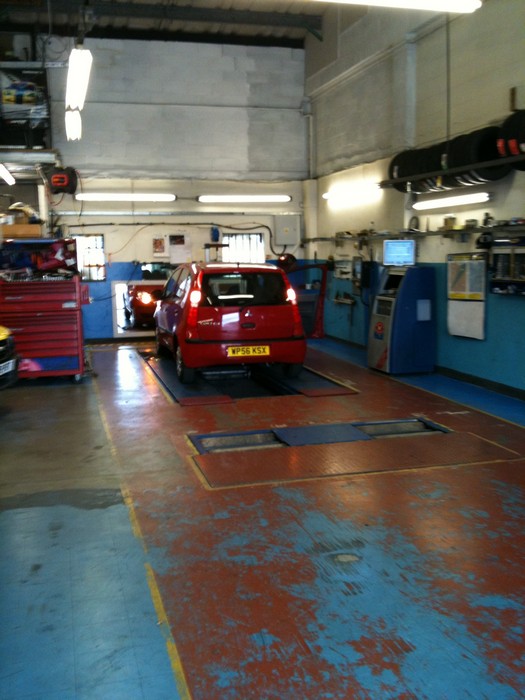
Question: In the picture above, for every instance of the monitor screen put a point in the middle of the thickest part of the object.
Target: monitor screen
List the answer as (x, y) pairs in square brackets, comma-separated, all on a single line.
[(399, 252)]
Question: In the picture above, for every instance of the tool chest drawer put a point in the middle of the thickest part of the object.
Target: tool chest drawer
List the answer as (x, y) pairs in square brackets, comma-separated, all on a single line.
[(46, 321)]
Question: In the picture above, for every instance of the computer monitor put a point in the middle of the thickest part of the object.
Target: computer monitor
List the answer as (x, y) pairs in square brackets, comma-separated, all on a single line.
[(399, 253)]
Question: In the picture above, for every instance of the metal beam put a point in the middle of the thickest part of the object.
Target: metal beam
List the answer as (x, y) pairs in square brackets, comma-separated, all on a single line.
[(171, 13), (201, 37)]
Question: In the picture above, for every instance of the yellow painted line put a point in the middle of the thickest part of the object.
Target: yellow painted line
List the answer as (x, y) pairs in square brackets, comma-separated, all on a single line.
[(199, 473), (190, 444), (169, 398), (104, 420), (162, 618), (343, 476), (176, 664), (135, 526), (173, 654)]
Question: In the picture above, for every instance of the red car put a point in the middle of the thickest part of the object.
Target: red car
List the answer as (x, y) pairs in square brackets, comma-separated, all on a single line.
[(229, 314), (139, 304)]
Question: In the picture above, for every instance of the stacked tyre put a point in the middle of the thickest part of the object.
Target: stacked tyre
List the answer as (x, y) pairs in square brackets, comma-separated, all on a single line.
[(415, 166), (477, 147), (511, 140)]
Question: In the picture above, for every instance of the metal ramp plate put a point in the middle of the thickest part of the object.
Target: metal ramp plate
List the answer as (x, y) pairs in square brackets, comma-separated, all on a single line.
[(235, 469), (313, 434), (320, 434)]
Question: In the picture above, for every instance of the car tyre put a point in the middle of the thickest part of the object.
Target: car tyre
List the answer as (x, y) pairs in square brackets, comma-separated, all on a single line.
[(160, 349), (292, 370), (185, 374)]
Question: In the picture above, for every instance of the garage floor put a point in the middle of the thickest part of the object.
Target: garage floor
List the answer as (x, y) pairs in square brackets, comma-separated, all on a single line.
[(136, 566)]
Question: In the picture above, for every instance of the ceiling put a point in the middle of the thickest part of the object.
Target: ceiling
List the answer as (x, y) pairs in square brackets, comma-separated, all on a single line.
[(253, 22), (282, 23)]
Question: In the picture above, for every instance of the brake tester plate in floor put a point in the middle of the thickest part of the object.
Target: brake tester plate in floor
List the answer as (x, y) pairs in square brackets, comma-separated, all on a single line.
[(229, 468)]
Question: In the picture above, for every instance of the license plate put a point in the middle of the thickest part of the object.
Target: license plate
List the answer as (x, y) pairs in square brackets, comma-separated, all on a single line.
[(6, 367), (248, 350)]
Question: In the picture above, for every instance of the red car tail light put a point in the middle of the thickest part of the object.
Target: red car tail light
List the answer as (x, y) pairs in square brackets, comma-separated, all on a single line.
[(291, 296), (195, 298), (191, 322), (144, 297)]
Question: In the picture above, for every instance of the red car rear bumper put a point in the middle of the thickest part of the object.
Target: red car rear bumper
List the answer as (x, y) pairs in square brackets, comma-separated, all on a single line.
[(207, 354)]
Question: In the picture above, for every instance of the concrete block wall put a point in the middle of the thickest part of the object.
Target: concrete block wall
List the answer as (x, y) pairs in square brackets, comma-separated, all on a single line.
[(487, 59), (386, 88), (174, 110)]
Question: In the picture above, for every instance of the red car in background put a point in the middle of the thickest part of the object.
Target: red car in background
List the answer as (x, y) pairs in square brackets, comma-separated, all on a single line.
[(220, 315), (139, 304)]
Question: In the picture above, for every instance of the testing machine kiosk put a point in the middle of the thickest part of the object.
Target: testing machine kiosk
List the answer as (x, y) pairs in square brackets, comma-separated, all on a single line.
[(401, 337)]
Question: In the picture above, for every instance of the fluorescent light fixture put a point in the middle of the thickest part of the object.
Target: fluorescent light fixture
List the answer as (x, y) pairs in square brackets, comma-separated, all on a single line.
[(353, 195), (459, 6), (73, 125), (80, 61), (125, 197), (244, 198), (459, 200), (4, 173)]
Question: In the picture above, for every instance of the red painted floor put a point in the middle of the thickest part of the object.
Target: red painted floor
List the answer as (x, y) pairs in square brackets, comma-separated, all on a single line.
[(392, 568)]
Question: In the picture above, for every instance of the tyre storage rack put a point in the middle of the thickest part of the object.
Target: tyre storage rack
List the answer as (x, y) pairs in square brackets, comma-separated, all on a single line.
[(45, 317)]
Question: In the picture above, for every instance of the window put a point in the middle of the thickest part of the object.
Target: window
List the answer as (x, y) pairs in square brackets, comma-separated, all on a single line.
[(183, 284), (171, 284), (250, 288), (90, 257), (243, 247)]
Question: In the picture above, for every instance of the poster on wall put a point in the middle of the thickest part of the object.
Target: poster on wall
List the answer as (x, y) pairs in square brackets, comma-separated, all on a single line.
[(466, 291), (180, 248), (466, 276), (159, 247), (24, 106)]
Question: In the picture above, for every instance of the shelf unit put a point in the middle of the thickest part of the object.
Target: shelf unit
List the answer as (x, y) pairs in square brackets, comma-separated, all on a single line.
[(508, 269)]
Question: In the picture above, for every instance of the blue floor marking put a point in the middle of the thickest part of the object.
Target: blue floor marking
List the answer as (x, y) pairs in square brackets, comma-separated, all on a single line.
[(486, 400), (75, 594)]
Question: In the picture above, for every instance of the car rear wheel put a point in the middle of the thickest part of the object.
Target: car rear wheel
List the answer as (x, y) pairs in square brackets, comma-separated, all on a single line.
[(160, 349), (185, 374)]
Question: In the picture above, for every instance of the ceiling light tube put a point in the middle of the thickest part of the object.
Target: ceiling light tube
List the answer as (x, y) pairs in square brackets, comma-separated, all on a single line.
[(353, 195), (125, 197), (73, 122), (459, 6), (80, 61), (6, 175), (244, 198), (451, 202)]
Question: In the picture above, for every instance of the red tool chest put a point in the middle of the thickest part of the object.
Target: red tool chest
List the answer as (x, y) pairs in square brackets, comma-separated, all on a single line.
[(45, 317)]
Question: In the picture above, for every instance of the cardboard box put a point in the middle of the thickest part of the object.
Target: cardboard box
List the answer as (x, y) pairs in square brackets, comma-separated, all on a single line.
[(21, 231)]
